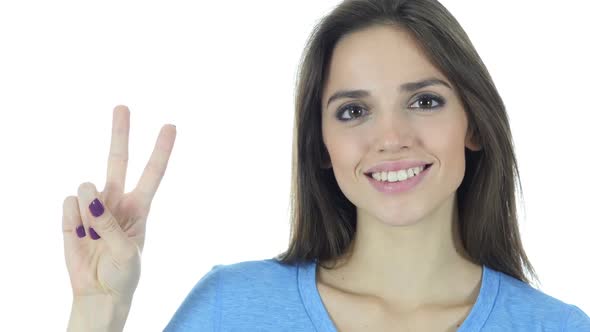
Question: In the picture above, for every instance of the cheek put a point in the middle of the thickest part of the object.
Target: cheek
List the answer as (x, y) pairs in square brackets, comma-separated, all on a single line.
[(451, 155), (445, 136), (344, 148), (344, 157), (444, 139)]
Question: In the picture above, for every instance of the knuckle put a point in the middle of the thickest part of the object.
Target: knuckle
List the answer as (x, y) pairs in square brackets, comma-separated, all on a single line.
[(69, 201), (110, 224), (85, 187), (70, 208), (121, 156), (155, 168)]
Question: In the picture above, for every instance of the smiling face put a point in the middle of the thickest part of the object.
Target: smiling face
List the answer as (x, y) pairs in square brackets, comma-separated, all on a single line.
[(392, 121)]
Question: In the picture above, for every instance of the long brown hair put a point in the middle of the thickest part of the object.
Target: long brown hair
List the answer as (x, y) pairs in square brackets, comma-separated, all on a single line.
[(323, 220)]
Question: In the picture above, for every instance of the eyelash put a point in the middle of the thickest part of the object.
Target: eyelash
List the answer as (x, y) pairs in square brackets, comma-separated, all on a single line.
[(439, 100)]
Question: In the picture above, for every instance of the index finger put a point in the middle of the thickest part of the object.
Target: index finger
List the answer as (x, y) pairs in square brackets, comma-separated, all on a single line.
[(156, 167), (119, 152)]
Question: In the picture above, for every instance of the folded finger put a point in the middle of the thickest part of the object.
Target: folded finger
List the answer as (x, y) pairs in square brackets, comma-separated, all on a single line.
[(72, 225), (103, 224)]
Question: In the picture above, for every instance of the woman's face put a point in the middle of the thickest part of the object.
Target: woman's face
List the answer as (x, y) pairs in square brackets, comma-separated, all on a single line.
[(391, 123)]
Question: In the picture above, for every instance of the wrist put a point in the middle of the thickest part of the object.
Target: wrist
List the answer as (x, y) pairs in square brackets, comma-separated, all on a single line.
[(98, 313)]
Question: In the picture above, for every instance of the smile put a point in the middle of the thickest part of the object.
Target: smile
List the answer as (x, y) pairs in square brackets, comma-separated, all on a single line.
[(398, 181), (401, 175)]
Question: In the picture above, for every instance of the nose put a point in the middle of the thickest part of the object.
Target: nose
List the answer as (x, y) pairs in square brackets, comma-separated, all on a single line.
[(393, 132)]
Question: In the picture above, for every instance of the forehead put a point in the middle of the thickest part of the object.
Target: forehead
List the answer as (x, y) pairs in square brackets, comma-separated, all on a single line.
[(381, 57)]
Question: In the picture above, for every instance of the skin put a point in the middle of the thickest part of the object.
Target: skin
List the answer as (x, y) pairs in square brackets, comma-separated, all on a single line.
[(406, 256), (104, 273)]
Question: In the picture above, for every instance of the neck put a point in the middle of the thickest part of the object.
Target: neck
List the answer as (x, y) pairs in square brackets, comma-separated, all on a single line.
[(410, 265)]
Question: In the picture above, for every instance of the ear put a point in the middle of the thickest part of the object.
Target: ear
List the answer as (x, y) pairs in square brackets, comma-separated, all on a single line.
[(472, 140)]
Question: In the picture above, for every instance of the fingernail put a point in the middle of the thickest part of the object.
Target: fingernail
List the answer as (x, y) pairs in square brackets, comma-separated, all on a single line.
[(80, 231), (96, 208), (93, 234)]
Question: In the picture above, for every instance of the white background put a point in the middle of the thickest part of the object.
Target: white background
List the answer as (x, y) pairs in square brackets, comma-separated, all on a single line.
[(224, 73)]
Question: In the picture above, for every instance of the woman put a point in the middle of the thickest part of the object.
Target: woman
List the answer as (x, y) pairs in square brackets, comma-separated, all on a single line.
[(404, 186)]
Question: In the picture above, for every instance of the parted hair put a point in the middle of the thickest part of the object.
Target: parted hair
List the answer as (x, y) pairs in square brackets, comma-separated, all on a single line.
[(323, 220)]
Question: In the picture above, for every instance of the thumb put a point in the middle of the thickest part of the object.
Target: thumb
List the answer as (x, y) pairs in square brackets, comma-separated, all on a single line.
[(103, 223)]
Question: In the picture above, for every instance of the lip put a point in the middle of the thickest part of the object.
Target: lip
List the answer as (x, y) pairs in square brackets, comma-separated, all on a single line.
[(396, 166), (398, 187)]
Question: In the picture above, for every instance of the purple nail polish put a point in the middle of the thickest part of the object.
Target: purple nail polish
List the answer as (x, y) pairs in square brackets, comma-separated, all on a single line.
[(96, 208), (80, 231), (93, 234)]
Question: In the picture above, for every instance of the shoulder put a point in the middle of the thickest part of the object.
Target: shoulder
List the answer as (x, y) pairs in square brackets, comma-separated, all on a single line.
[(577, 320), (525, 306), (524, 295), (248, 277), (250, 292), (254, 271), (261, 282)]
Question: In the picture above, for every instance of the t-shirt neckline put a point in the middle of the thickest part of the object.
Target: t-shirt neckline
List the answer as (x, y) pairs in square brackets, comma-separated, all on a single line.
[(317, 312)]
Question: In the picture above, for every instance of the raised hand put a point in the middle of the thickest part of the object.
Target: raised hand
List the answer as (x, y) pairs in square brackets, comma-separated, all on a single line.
[(104, 232)]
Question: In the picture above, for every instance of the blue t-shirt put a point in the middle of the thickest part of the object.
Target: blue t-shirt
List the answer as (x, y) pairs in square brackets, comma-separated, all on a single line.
[(266, 295)]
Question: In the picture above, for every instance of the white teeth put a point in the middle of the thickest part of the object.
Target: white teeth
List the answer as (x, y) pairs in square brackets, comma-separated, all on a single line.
[(400, 175), (391, 177)]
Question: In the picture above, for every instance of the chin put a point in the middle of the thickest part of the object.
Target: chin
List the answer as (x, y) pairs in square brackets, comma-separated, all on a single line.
[(405, 218), (400, 222)]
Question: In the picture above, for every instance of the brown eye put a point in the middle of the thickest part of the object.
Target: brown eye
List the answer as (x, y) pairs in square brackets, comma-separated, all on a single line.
[(350, 112), (426, 102)]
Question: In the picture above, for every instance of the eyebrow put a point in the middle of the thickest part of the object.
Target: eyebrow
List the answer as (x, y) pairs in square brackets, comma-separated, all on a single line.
[(406, 87)]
